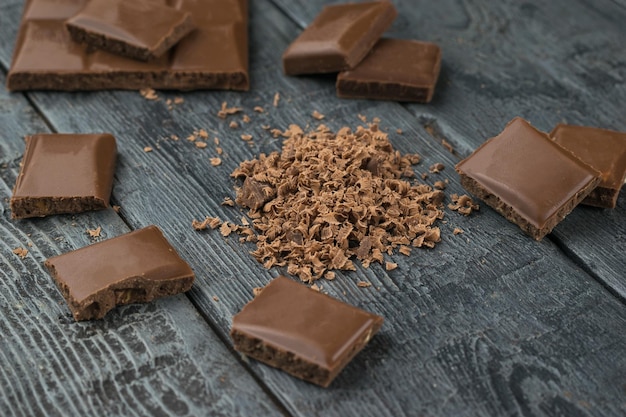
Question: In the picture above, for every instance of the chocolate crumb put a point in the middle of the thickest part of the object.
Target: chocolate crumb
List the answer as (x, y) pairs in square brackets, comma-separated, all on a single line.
[(363, 284), (225, 111), (447, 145), (95, 232), (116, 208), (148, 149), (215, 161), (228, 202), (215, 298), (399, 131), (390, 266), (245, 118), (179, 100), (246, 137), (259, 109), (265, 127), (317, 115), (440, 185), (463, 204), (457, 231), (21, 252), (149, 94), (191, 138), (219, 150), (362, 118), (436, 168), (174, 137), (315, 287), (233, 124), (200, 144), (330, 275), (257, 290), (276, 99), (203, 133)]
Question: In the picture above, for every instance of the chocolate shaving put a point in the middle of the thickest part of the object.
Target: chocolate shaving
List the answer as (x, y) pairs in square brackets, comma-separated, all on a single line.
[(328, 197), (463, 204)]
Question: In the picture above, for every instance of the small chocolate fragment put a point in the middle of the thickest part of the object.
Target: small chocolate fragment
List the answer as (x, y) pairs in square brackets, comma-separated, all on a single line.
[(64, 173), (526, 177), (400, 70), (139, 29), (339, 38), (604, 150), (46, 58), (301, 331), (133, 268)]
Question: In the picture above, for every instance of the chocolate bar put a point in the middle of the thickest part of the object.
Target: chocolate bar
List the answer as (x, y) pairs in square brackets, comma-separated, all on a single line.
[(604, 150), (339, 38), (526, 177), (301, 331), (133, 268), (46, 58), (138, 29), (64, 173), (396, 69)]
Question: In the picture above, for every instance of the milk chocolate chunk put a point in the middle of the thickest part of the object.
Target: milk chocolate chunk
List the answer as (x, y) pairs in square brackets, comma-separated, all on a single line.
[(139, 29), (46, 58), (396, 69), (339, 38), (301, 331), (64, 173), (604, 150), (133, 268), (526, 177)]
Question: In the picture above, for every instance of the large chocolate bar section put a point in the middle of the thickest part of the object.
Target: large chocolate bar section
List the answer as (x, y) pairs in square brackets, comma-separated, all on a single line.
[(339, 38), (526, 177), (138, 29), (133, 268), (604, 150), (64, 173), (395, 69), (301, 331), (214, 56)]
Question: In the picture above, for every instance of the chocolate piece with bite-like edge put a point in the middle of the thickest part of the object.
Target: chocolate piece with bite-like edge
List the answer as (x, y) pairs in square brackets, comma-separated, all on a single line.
[(138, 29), (133, 268), (46, 58), (339, 38), (64, 173), (396, 69), (301, 331), (526, 177), (604, 150)]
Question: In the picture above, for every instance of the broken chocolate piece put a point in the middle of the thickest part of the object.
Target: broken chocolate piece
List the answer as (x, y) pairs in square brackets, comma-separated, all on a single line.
[(133, 268), (400, 70), (604, 150), (139, 29), (46, 58), (339, 38), (301, 331), (64, 173), (526, 177)]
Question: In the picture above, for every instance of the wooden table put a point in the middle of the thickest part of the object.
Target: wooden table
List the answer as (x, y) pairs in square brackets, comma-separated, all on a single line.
[(489, 323)]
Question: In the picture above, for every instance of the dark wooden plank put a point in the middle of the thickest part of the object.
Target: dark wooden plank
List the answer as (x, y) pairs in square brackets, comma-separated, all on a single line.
[(154, 359), (484, 324), (544, 61)]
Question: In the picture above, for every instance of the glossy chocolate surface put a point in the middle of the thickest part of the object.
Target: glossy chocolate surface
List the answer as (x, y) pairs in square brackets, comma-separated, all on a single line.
[(47, 58), (59, 167), (604, 150), (528, 172), (395, 69), (141, 29), (135, 267), (339, 37), (318, 329)]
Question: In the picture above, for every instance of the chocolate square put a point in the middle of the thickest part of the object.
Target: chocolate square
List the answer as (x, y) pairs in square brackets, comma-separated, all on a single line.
[(133, 268), (396, 69), (339, 37), (604, 150), (526, 177), (301, 331), (64, 173), (138, 29)]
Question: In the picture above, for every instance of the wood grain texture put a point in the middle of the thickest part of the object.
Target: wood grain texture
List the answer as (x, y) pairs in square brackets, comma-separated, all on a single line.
[(487, 323), (542, 61), (153, 359)]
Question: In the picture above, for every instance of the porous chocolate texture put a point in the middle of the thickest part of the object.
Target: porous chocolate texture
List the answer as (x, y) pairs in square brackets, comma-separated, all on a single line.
[(64, 173), (133, 268), (301, 331), (526, 177)]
